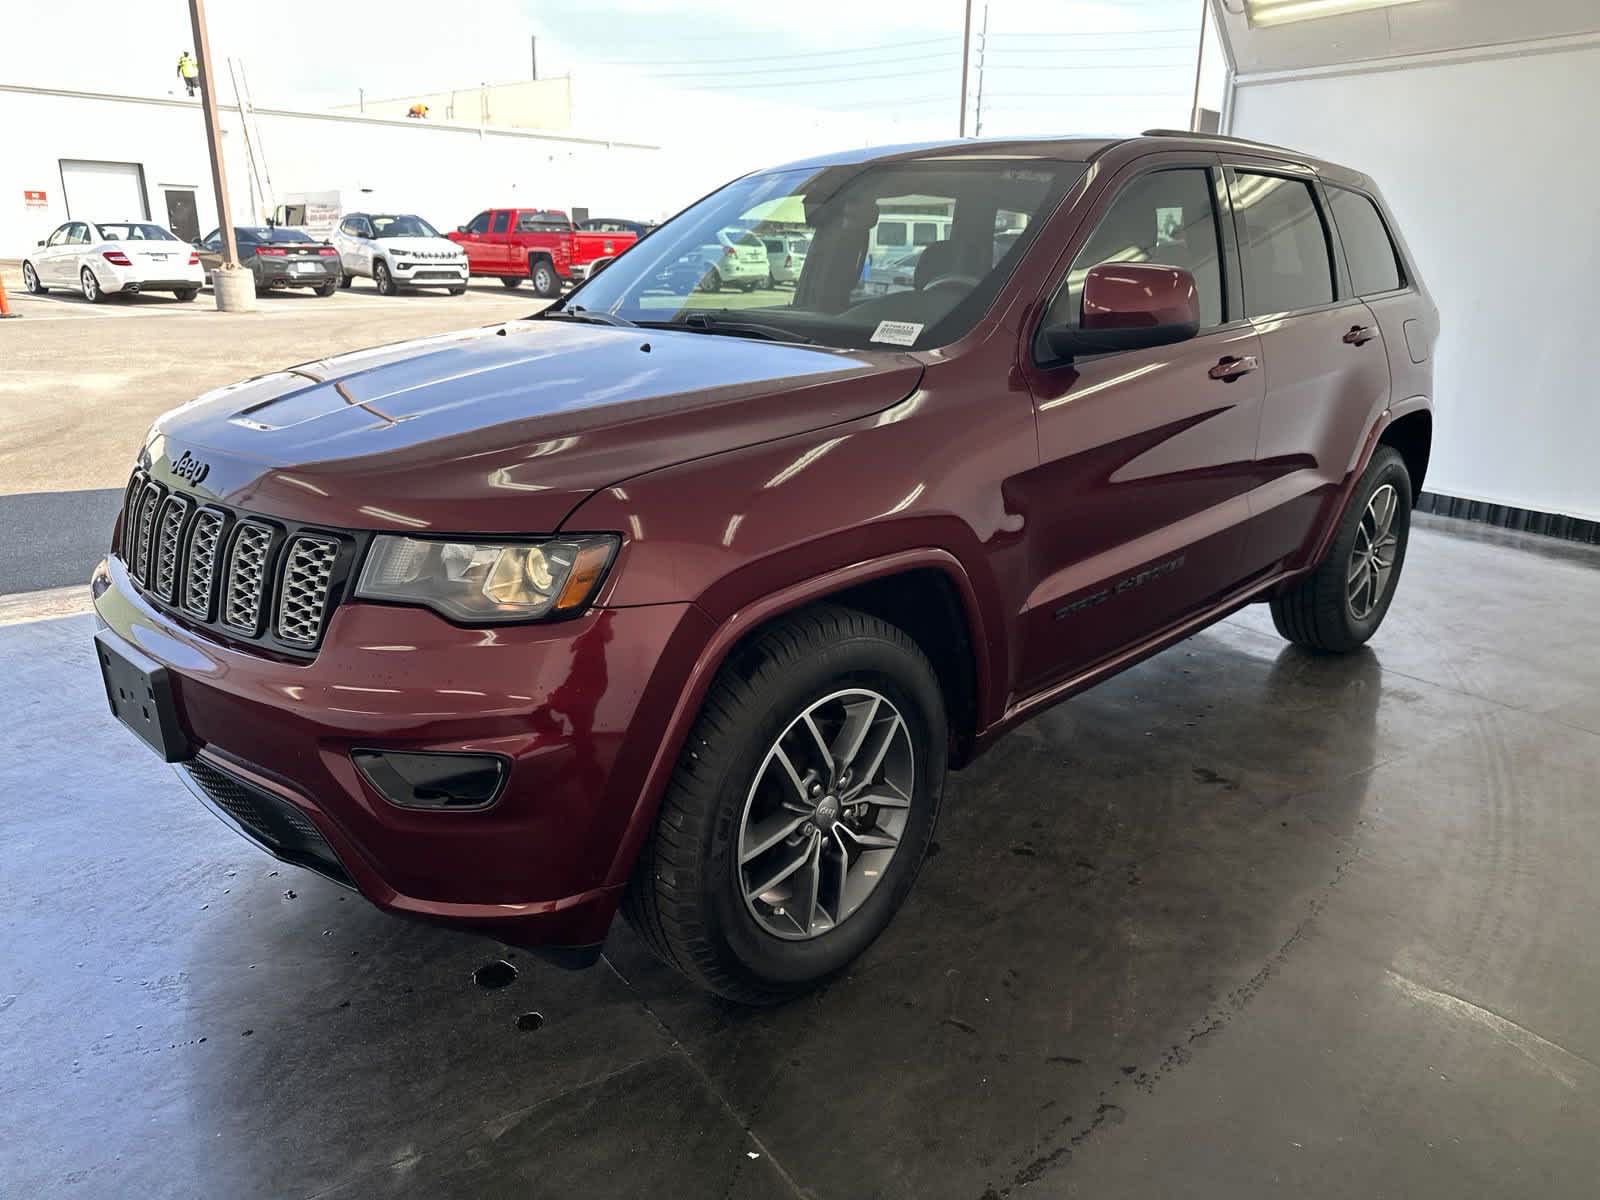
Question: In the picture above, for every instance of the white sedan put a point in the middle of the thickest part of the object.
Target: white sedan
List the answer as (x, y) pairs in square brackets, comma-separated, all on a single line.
[(101, 259)]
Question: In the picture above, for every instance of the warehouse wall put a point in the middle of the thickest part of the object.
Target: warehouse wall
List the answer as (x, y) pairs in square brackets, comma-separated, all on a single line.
[(1488, 160), (446, 173)]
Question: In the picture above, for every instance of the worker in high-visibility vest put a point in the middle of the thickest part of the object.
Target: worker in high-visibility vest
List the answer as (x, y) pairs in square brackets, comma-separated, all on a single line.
[(420, 111), (189, 71)]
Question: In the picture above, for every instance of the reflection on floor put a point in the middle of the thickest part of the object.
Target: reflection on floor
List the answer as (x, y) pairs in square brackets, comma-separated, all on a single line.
[(1242, 921)]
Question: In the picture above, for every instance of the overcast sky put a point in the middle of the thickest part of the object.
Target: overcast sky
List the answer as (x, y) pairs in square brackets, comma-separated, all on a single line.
[(1049, 67)]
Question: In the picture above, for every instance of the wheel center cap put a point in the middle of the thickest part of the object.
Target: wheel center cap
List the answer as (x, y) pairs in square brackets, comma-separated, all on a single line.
[(827, 811)]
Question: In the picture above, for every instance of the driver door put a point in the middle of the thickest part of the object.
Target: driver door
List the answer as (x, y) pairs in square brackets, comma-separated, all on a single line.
[(1139, 502), (210, 251)]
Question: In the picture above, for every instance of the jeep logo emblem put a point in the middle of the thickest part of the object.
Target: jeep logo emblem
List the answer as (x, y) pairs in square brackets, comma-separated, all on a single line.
[(191, 468)]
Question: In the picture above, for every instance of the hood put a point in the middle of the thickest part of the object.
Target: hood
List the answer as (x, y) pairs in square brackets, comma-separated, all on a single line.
[(419, 245), (506, 429)]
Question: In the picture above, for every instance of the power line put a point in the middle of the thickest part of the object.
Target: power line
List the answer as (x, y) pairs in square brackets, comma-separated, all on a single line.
[(878, 62), (789, 83), (744, 58), (1094, 32)]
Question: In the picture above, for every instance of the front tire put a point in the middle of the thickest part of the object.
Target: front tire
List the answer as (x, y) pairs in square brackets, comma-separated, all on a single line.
[(1338, 606), (345, 279), (326, 289), (30, 280), (800, 811), (711, 281), (92, 291), (385, 281), (511, 281), (461, 290)]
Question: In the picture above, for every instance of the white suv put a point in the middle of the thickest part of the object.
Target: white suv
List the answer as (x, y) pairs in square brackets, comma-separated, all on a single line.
[(398, 250)]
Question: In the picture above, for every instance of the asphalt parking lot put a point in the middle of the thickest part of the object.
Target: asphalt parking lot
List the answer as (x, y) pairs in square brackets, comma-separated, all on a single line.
[(1243, 921)]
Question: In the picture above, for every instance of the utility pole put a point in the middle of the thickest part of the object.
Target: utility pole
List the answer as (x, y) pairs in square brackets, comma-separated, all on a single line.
[(966, 54), (983, 47), (1199, 57), (533, 52), (233, 288)]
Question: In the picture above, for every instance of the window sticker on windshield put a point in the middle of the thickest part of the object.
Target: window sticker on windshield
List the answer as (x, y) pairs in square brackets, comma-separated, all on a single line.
[(897, 333)]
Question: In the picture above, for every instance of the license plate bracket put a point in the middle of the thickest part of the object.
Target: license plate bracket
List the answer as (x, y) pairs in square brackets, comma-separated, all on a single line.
[(139, 691)]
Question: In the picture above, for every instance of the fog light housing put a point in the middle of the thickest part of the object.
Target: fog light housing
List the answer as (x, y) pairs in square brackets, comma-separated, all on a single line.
[(438, 781)]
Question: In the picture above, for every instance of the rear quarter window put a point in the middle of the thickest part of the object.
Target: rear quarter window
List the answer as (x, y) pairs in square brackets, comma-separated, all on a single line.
[(1368, 249)]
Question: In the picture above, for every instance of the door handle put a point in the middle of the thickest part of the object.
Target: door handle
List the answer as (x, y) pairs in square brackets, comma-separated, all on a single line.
[(1229, 367), (1359, 335)]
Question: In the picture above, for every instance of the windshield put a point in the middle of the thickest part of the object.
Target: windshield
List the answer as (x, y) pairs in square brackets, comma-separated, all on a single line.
[(135, 231), (969, 223), (405, 225)]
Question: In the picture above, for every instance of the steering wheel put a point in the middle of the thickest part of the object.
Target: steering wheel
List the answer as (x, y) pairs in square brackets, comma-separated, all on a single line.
[(967, 281)]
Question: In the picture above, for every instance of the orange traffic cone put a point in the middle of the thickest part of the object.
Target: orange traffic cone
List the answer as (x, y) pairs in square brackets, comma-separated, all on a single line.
[(5, 308)]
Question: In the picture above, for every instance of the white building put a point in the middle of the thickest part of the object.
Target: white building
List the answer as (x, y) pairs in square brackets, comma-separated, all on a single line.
[(87, 154)]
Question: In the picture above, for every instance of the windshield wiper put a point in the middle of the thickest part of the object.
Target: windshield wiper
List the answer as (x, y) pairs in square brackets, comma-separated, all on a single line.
[(594, 317), (705, 322)]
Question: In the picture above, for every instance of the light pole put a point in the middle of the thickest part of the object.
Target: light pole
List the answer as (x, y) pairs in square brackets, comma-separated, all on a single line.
[(233, 288)]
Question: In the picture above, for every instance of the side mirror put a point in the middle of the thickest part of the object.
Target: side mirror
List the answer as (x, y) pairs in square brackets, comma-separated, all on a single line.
[(1130, 306), (40, 242), (461, 228)]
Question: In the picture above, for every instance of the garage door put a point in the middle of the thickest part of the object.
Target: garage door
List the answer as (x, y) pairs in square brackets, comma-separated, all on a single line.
[(103, 191)]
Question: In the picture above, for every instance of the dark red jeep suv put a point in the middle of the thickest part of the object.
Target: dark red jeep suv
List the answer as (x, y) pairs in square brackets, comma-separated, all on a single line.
[(684, 602)]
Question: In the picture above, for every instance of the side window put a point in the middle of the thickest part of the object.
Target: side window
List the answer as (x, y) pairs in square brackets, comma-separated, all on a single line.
[(59, 237), (479, 223), (1166, 217), (1283, 246), (348, 227), (891, 233), (79, 235), (213, 240), (1374, 266), (501, 219), (925, 233)]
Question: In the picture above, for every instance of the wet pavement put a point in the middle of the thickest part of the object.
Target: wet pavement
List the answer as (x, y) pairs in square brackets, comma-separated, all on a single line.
[(1241, 922)]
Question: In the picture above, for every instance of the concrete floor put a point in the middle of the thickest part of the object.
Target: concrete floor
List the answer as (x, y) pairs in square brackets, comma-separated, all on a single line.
[(1242, 922)]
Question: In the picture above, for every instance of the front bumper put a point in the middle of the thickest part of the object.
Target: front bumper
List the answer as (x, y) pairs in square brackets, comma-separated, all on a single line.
[(428, 272), (576, 707)]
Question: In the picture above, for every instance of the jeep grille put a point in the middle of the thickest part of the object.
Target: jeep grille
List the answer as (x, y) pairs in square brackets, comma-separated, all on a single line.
[(242, 575)]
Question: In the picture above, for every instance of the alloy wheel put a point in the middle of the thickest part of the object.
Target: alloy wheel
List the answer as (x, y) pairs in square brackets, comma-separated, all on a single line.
[(91, 286), (825, 814), (30, 279), (1372, 557)]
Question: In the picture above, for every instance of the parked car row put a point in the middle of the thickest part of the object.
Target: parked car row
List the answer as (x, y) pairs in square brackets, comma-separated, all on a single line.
[(397, 251)]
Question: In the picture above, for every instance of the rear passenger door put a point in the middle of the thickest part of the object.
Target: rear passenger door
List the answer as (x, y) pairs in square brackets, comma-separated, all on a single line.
[(496, 244), (1327, 374), (1138, 509)]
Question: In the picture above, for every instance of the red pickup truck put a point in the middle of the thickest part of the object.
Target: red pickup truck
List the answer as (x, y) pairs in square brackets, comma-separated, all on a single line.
[(540, 244)]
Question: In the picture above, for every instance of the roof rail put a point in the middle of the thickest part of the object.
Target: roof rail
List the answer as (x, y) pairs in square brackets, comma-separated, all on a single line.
[(1215, 137)]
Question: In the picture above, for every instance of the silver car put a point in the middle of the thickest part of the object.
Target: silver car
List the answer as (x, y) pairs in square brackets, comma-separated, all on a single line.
[(786, 255)]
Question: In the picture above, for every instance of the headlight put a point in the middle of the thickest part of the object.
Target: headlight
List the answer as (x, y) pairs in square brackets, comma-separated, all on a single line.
[(488, 581)]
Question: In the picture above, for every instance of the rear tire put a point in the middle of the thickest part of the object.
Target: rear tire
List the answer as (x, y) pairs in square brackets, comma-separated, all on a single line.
[(1340, 604), (546, 282), (184, 295), (511, 281), (711, 281), (30, 280), (91, 287), (327, 289), (691, 896)]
